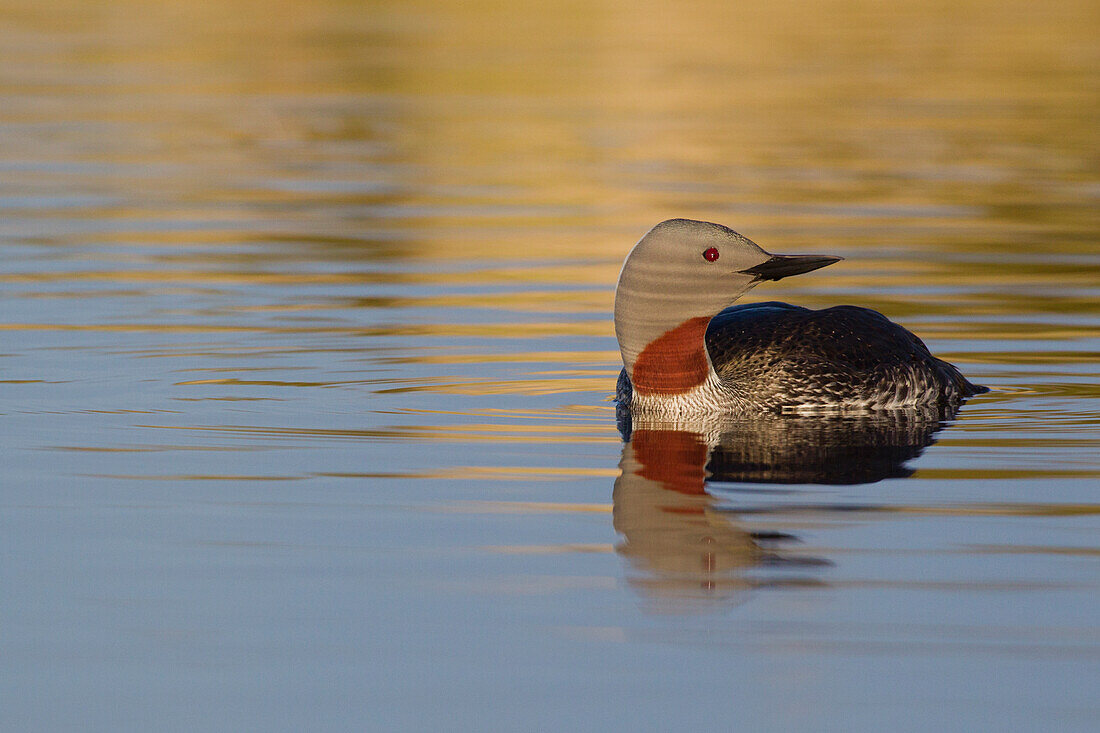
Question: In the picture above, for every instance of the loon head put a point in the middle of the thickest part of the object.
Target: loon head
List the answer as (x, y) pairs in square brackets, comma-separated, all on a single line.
[(675, 279)]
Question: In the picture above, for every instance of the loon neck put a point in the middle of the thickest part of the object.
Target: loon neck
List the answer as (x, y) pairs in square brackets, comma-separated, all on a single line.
[(675, 362), (661, 317)]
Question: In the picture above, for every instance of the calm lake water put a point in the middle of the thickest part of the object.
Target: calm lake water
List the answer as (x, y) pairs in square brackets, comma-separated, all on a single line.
[(306, 357)]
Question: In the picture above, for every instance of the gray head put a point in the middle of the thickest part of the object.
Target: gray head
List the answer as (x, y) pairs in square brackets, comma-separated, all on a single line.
[(684, 269)]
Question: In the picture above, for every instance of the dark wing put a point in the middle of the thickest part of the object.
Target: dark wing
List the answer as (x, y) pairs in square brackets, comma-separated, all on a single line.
[(845, 353)]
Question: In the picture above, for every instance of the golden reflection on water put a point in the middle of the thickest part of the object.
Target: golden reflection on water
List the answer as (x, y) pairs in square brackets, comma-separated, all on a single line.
[(405, 185)]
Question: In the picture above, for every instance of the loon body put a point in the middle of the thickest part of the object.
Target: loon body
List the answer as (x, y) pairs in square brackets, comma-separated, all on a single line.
[(687, 351)]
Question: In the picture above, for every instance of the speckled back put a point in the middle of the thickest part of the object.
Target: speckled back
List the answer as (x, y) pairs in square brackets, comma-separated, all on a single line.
[(783, 356)]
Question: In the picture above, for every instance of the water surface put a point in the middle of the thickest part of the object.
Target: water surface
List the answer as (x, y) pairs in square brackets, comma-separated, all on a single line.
[(306, 355)]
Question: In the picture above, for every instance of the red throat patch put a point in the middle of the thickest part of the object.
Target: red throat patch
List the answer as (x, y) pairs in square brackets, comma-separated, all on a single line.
[(675, 362)]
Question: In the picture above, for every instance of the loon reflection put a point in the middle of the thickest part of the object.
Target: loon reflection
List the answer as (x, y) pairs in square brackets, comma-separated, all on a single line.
[(689, 551)]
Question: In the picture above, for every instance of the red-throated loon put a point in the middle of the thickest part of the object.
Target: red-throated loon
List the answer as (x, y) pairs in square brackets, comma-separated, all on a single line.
[(685, 351)]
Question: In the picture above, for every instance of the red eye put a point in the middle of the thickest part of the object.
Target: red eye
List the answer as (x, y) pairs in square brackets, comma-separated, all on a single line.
[(710, 255)]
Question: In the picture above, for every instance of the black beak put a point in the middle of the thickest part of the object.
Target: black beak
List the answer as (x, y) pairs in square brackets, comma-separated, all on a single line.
[(780, 266)]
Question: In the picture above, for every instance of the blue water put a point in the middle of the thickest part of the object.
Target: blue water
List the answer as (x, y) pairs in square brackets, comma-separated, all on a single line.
[(306, 359)]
